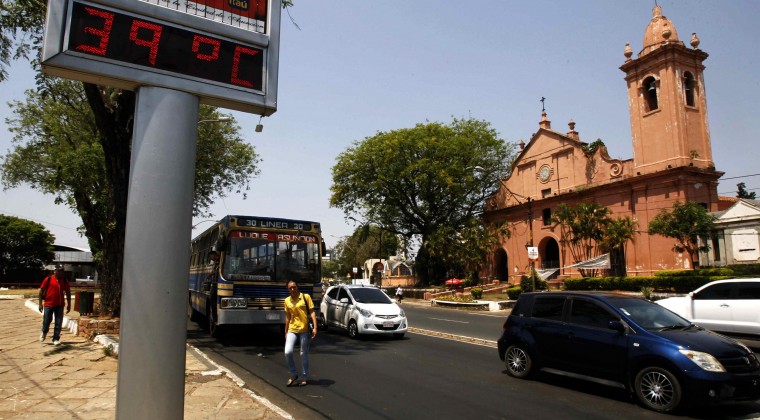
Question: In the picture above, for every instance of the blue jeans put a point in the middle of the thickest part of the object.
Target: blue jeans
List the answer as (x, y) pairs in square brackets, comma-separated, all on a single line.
[(290, 342), (47, 316)]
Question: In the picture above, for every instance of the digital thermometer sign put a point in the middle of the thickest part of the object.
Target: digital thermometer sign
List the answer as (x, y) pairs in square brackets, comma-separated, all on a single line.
[(122, 47), (125, 38)]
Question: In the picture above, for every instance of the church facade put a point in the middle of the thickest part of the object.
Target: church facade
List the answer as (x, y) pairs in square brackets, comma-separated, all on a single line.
[(672, 161)]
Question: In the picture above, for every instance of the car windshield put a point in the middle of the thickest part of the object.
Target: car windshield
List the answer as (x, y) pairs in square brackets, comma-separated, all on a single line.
[(649, 315), (370, 295)]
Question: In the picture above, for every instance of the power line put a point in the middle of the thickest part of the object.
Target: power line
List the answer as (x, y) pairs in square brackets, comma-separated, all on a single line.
[(741, 176), (35, 220)]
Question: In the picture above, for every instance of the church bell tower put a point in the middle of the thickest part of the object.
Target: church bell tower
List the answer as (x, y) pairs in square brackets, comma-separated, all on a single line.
[(666, 97)]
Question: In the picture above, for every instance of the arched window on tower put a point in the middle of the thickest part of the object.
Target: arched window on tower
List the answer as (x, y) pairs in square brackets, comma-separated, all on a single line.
[(650, 93), (688, 88)]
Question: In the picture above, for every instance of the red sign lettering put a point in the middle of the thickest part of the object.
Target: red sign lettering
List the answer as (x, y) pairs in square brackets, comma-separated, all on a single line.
[(103, 33), (153, 43), (198, 39)]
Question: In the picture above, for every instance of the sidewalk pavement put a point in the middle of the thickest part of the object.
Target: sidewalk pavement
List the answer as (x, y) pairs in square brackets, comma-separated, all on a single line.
[(77, 379)]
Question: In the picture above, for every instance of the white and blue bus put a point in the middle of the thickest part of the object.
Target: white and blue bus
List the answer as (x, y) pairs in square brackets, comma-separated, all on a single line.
[(240, 266)]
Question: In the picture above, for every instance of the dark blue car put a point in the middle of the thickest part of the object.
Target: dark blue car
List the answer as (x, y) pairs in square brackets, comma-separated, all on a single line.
[(629, 342)]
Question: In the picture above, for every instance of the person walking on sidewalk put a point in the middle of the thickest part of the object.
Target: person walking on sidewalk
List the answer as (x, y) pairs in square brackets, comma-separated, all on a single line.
[(52, 291), (300, 325)]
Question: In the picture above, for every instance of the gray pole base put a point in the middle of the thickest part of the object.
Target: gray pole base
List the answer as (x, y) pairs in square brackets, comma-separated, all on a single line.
[(151, 379)]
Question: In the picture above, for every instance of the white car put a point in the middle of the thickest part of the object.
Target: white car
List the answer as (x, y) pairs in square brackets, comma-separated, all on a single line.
[(731, 306), (362, 310)]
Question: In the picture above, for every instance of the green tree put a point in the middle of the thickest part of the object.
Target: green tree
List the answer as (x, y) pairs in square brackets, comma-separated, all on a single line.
[(23, 244), (413, 181), (463, 249), (330, 269), (686, 223), (617, 234), (72, 140), (582, 229), (743, 193), (367, 242)]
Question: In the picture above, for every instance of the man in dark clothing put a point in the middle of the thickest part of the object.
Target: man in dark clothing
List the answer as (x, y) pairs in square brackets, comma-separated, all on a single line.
[(52, 291)]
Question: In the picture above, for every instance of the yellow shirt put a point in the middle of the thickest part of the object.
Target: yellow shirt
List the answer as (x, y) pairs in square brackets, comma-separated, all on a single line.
[(297, 313)]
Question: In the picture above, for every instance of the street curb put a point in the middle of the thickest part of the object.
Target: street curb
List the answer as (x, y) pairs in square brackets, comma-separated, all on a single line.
[(461, 338)]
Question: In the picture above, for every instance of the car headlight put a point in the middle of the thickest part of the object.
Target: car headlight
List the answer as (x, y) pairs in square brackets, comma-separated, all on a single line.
[(234, 303), (402, 313), (705, 361), (365, 313)]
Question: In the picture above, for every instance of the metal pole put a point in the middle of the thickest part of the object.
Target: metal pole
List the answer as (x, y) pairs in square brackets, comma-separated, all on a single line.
[(151, 379), (530, 228)]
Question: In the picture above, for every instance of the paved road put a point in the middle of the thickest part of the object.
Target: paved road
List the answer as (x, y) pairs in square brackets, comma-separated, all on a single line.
[(421, 376)]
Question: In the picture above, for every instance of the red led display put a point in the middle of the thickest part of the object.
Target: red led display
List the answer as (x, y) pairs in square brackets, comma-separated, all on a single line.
[(154, 45)]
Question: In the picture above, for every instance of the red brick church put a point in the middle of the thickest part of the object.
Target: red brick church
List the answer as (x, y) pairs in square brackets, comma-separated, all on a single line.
[(672, 161)]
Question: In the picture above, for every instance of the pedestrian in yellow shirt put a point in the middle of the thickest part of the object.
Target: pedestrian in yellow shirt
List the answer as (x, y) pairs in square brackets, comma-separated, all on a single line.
[(300, 325)]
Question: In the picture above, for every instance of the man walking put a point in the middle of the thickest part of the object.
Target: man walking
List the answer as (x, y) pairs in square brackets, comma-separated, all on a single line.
[(52, 291)]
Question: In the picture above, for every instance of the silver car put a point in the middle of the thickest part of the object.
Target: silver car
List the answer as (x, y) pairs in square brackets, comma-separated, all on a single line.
[(731, 306), (362, 310)]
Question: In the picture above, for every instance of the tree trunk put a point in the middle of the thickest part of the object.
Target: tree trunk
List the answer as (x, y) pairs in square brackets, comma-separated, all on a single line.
[(114, 117)]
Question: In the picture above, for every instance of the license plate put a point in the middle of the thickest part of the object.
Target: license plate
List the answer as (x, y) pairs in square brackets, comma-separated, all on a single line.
[(273, 317), (387, 324)]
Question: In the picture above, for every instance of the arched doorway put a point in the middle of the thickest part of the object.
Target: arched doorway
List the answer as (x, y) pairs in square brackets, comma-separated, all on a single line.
[(550, 256), (501, 265)]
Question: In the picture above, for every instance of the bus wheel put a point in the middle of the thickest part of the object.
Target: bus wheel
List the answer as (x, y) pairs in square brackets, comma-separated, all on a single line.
[(213, 328), (192, 313)]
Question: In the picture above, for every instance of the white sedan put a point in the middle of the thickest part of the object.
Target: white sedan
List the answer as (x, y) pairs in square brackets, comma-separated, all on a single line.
[(731, 306), (362, 310)]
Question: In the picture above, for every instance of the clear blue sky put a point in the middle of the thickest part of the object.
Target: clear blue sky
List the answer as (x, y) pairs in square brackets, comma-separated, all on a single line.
[(359, 67)]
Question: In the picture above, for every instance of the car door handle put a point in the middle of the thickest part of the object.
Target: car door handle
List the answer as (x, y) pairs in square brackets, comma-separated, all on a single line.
[(724, 305)]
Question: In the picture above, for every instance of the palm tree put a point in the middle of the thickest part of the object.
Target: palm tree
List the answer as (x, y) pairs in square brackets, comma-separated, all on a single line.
[(582, 228), (619, 231)]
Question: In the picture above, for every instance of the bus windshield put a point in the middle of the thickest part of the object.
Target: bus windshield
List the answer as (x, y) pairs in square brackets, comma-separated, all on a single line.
[(270, 257)]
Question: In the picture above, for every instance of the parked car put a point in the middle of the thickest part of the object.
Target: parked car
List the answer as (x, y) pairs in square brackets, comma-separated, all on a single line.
[(628, 342), (362, 309), (731, 306)]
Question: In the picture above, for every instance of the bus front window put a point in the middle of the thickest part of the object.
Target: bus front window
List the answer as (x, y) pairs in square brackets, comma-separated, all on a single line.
[(249, 259), (296, 261)]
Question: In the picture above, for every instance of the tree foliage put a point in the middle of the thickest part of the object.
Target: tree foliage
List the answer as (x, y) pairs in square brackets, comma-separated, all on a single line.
[(582, 229), (21, 25), (617, 234), (72, 140), (743, 193), (414, 181), (463, 249), (686, 223), (367, 242), (24, 244)]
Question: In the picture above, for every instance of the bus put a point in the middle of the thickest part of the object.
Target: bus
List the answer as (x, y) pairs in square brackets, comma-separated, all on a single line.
[(240, 266)]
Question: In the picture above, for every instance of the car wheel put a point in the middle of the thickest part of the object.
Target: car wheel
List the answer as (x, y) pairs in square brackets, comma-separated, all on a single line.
[(321, 323), (518, 361), (658, 389), (353, 329)]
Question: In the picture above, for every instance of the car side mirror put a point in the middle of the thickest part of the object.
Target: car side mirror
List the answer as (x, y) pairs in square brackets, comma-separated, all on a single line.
[(617, 326), (344, 300)]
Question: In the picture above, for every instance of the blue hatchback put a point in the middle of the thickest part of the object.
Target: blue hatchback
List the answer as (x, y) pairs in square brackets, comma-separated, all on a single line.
[(629, 342)]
